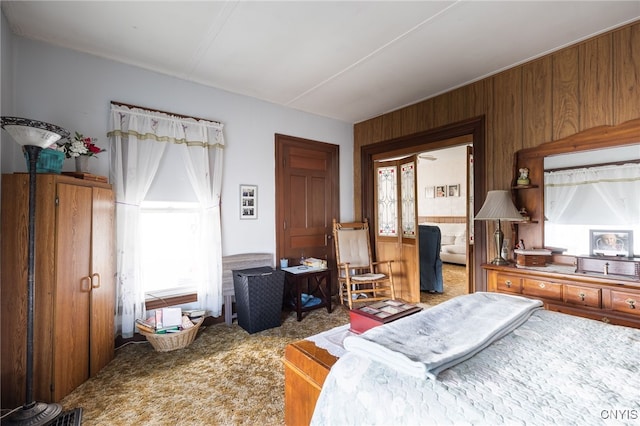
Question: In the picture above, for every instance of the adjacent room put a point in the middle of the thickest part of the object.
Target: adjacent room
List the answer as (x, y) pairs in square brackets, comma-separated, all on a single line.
[(307, 212)]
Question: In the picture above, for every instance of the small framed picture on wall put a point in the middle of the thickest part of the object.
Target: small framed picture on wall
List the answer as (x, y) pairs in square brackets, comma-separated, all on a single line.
[(441, 191), (248, 202), (454, 190), (429, 191)]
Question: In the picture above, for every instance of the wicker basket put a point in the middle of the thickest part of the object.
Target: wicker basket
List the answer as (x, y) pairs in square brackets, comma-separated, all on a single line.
[(172, 341)]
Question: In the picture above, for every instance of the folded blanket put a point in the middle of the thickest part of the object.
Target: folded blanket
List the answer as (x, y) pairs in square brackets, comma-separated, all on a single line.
[(427, 343)]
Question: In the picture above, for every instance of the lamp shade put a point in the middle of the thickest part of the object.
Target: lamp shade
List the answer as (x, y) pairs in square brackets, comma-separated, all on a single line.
[(498, 206), (32, 132)]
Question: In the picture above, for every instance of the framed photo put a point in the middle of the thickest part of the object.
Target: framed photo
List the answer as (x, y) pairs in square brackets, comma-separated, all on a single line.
[(454, 190), (248, 201), (611, 243), (430, 191), (441, 191)]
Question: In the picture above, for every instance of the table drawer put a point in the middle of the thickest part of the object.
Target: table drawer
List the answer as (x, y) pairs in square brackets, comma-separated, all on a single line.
[(508, 283), (627, 302), (541, 288), (585, 296)]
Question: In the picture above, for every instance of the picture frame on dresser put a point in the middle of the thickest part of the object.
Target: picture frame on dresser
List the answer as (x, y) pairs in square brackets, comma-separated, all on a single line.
[(611, 243)]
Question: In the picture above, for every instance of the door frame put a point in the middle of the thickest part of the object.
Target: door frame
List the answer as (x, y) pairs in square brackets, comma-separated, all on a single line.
[(428, 140)]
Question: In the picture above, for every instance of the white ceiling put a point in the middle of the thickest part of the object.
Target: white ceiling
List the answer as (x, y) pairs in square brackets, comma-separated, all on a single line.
[(347, 60)]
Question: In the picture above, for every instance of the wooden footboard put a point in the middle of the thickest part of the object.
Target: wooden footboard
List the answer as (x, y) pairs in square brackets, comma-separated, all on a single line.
[(306, 366)]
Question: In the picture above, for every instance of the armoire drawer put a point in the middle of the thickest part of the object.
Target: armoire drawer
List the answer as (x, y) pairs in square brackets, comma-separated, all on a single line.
[(541, 288), (508, 283), (584, 296)]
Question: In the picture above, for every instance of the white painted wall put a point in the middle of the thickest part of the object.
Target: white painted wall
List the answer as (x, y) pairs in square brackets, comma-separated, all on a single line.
[(449, 168), (74, 90), (6, 77)]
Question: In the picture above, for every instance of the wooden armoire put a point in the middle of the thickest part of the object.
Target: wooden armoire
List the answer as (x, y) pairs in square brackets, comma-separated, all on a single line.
[(74, 284)]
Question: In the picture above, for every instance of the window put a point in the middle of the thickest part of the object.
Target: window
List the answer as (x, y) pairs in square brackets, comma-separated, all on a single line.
[(170, 256)]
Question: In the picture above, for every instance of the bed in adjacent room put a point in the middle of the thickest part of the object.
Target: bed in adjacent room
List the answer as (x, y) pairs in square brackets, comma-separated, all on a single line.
[(539, 367)]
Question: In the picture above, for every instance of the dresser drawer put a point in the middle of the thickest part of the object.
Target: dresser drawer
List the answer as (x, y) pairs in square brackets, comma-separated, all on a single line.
[(627, 302), (541, 288), (508, 283), (584, 296)]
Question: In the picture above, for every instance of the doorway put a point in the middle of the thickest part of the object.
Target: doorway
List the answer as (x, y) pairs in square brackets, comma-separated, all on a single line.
[(468, 131), (443, 200)]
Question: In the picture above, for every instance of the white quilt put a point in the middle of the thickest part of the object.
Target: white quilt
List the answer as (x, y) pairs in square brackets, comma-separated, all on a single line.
[(554, 369)]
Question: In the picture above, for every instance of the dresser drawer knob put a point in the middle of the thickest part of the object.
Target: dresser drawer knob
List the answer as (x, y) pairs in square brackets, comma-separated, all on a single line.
[(631, 303), (582, 296), (605, 320), (541, 285), (508, 283)]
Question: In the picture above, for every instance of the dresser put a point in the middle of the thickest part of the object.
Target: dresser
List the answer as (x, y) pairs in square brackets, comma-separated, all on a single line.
[(607, 298), (74, 284)]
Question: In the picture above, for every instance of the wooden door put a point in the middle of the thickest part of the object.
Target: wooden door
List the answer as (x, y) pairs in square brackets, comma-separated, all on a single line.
[(307, 198), (103, 294), (396, 224), (73, 288)]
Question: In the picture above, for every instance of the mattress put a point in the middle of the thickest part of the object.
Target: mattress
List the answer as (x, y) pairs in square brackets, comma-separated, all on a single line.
[(553, 369)]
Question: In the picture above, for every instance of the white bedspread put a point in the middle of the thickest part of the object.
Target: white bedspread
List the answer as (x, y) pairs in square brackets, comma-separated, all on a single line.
[(429, 342), (554, 369)]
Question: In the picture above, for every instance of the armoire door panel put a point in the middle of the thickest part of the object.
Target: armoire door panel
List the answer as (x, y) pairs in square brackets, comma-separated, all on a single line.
[(71, 355), (103, 293)]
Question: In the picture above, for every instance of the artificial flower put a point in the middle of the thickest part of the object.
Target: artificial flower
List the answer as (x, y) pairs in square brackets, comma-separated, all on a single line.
[(80, 145)]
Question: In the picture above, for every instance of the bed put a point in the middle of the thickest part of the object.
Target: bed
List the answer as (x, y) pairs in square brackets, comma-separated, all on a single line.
[(550, 369)]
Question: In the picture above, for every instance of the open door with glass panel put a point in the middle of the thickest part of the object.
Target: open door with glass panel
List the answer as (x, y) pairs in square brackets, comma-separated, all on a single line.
[(396, 223)]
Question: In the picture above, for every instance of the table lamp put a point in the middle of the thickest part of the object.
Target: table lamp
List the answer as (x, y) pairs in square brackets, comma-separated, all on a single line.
[(498, 206), (33, 136)]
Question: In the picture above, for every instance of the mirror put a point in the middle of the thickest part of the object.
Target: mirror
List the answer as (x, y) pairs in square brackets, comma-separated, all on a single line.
[(593, 193)]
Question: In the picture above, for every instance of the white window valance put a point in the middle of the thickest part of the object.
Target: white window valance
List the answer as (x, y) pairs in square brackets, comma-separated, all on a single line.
[(163, 127)]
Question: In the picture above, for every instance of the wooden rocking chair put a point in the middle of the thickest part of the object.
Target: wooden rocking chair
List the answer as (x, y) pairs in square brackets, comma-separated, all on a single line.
[(360, 278)]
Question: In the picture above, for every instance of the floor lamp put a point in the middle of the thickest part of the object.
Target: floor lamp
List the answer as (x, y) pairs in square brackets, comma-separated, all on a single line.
[(499, 207), (33, 136)]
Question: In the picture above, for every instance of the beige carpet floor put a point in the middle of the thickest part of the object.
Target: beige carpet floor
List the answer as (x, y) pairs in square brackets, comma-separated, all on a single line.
[(225, 377), (455, 282)]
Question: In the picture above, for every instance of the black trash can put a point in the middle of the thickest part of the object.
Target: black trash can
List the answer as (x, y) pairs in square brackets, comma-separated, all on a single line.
[(259, 293)]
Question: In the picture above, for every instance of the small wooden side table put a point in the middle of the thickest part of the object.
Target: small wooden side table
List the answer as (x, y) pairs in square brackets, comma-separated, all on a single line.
[(316, 281)]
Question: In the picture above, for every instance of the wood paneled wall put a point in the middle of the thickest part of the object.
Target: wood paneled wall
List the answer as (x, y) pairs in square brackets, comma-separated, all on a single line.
[(593, 83)]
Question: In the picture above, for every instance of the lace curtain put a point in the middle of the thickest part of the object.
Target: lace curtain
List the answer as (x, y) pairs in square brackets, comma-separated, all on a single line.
[(606, 195), (138, 141)]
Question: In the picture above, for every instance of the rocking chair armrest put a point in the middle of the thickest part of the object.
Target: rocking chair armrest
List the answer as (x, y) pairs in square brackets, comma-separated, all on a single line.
[(344, 266), (382, 264)]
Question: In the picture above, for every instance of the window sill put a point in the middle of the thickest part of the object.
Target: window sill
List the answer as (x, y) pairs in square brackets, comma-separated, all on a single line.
[(176, 299)]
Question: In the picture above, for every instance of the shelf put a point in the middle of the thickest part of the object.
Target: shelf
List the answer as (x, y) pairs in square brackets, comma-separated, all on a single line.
[(525, 222), (524, 186)]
